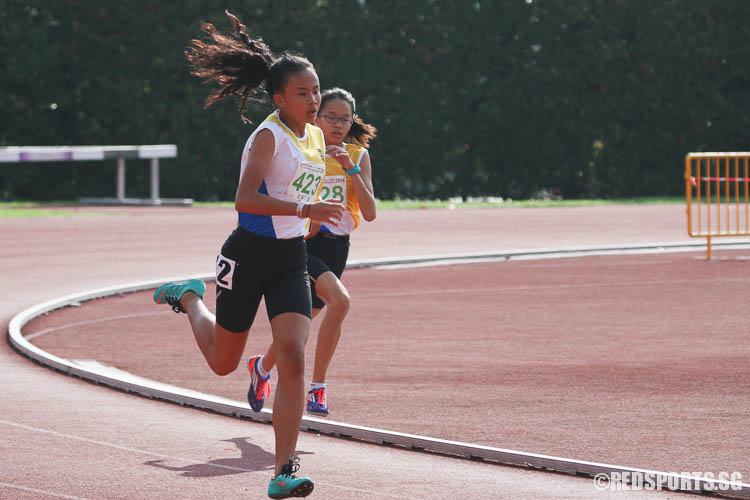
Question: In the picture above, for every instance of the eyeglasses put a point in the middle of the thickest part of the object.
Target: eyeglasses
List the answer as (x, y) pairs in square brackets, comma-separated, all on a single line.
[(333, 119)]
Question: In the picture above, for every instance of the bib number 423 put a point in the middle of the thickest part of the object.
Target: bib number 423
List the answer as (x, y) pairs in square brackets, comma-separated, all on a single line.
[(306, 181)]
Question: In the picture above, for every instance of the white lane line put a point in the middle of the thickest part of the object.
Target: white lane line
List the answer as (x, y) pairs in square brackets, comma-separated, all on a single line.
[(89, 322), (542, 254), (560, 286), (39, 492), (172, 457), (120, 447)]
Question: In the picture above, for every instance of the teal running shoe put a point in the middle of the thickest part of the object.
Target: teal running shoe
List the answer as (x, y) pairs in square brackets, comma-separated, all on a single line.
[(171, 293), (286, 485)]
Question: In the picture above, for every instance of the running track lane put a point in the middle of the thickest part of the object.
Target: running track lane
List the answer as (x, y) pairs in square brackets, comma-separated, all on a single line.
[(69, 438), (616, 345)]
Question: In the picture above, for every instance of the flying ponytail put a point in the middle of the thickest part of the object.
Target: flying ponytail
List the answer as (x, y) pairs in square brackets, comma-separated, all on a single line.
[(240, 64)]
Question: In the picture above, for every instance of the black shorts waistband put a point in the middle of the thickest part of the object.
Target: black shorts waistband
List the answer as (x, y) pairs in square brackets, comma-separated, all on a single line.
[(331, 236)]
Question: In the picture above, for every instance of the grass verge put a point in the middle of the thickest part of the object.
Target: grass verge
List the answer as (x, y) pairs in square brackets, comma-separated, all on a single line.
[(30, 209), (53, 209), (491, 202)]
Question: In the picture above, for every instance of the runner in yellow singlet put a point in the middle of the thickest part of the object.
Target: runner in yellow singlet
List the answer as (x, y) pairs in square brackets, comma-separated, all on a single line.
[(348, 181)]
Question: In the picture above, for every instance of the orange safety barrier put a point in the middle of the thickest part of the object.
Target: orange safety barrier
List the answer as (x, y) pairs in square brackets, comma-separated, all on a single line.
[(717, 192)]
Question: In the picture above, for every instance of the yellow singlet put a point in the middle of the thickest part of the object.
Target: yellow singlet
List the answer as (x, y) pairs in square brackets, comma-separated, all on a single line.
[(338, 188)]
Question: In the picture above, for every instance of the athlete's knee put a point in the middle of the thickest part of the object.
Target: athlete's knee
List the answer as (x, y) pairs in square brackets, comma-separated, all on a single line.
[(291, 360), (339, 301), (289, 349), (225, 367), (226, 362)]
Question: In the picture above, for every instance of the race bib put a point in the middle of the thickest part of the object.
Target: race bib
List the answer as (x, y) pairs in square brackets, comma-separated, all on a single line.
[(224, 271), (306, 181), (334, 189)]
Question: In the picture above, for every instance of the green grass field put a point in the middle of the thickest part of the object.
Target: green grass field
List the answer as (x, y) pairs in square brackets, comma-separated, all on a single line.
[(495, 203), (30, 209), (12, 210), (490, 203)]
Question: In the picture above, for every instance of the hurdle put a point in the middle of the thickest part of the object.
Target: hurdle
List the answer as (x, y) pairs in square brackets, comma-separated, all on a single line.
[(20, 154), (717, 193)]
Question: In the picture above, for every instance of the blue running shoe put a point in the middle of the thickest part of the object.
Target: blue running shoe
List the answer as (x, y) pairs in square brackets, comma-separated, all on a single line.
[(316, 402), (286, 485), (260, 387), (171, 293)]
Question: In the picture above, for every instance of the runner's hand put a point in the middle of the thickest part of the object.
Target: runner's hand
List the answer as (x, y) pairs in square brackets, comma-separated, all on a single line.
[(340, 155), (314, 228), (324, 211)]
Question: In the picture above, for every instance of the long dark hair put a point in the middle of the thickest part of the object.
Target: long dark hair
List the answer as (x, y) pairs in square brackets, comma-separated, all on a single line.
[(239, 64), (360, 132)]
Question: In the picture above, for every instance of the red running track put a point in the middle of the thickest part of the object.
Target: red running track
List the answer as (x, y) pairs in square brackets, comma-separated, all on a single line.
[(610, 359)]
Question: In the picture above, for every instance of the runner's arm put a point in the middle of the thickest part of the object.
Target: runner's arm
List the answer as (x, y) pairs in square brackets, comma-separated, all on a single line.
[(362, 183), (248, 199)]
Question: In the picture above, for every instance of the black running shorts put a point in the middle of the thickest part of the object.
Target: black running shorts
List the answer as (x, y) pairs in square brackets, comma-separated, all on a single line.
[(251, 267), (326, 252)]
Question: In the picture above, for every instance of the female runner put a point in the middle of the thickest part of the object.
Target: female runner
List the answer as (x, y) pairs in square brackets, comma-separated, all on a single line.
[(348, 182), (281, 174)]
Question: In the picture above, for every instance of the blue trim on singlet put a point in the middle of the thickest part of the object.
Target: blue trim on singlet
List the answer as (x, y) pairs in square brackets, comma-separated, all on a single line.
[(258, 224), (324, 229)]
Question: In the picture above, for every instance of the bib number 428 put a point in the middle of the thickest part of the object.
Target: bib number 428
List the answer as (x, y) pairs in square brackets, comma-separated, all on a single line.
[(334, 189)]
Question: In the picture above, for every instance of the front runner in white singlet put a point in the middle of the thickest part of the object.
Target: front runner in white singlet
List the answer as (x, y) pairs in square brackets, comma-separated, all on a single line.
[(281, 174)]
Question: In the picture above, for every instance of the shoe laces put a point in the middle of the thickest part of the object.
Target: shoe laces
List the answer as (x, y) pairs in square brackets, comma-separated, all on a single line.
[(263, 389), (290, 468), (176, 307), (318, 396), (261, 385), (173, 301)]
